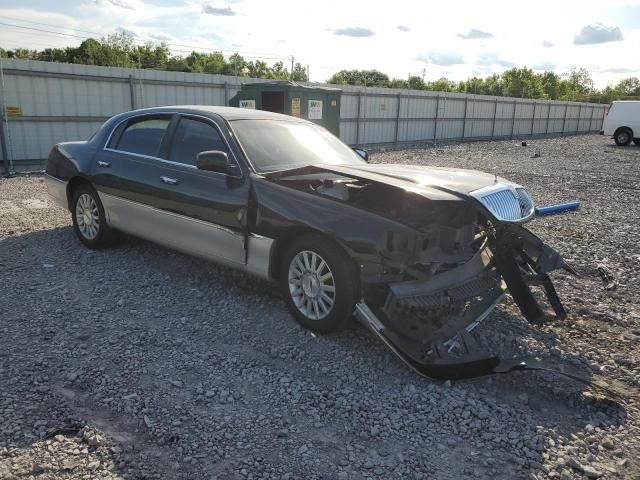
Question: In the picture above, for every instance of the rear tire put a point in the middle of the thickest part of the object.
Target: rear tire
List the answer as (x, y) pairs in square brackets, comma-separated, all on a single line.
[(319, 283), (623, 137), (89, 220)]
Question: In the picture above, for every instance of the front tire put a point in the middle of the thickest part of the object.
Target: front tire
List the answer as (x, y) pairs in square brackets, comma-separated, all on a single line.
[(319, 283), (89, 220), (623, 137)]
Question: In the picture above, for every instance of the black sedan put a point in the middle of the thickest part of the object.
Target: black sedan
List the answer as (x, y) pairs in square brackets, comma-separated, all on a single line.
[(420, 255)]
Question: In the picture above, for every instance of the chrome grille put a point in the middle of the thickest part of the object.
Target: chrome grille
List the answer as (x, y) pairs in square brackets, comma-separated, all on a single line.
[(506, 203), (526, 202)]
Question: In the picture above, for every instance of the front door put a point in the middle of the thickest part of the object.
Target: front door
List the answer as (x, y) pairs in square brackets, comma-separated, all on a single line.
[(162, 196)]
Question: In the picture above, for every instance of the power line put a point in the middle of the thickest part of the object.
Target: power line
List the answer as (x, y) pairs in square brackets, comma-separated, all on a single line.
[(48, 25), (41, 30), (255, 55)]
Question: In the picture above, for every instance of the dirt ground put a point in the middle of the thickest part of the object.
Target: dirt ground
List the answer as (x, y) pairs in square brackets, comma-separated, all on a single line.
[(138, 362)]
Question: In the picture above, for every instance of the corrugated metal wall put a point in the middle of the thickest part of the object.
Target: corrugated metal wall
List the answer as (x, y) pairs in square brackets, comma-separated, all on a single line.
[(374, 115), (62, 102)]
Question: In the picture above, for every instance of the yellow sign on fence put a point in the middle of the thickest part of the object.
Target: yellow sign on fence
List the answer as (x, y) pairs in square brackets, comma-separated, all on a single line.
[(13, 111)]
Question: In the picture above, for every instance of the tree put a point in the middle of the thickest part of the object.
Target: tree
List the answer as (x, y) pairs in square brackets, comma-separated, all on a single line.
[(151, 57), (416, 83), (628, 87), (236, 65), (370, 78), (398, 83), (278, 72), (206, 62), (580, 81), (441, 85), (299, 73), (522, 83), (258, 69), (178, 64), (551, 85)]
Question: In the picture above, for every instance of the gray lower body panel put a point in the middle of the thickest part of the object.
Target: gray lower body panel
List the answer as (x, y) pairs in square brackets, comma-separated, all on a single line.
[(189, 235), (57, 190)]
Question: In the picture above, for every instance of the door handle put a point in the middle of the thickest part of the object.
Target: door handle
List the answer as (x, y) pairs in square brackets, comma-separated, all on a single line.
[(104, 164), (169, 180)]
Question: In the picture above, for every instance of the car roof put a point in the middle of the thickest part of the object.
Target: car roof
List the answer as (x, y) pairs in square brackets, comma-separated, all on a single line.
[(228, 113)]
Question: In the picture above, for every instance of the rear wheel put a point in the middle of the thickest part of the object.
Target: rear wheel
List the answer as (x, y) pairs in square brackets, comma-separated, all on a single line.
[(89, 220), (319, 283), (623, 137)]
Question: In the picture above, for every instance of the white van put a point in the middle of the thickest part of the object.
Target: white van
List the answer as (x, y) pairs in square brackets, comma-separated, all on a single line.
[(623, 122)]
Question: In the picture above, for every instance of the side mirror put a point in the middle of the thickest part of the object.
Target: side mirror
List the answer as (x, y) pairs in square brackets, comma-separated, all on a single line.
[(362, 153), (215, 161)]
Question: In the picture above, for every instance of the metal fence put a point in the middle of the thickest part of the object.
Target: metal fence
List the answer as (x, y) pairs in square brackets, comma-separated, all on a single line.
[(376, 116), (45, 103)]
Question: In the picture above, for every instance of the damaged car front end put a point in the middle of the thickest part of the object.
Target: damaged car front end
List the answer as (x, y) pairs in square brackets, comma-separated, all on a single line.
[(437, 250)]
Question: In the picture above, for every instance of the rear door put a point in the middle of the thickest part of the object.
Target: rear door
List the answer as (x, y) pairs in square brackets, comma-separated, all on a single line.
[(166, 199)]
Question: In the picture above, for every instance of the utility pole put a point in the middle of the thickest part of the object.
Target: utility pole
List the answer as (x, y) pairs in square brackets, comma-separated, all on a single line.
[(292, 60), (308, 77)]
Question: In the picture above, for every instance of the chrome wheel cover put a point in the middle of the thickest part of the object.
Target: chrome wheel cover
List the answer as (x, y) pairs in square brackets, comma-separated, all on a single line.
[(311, 285), (623, 137), (87, 216)]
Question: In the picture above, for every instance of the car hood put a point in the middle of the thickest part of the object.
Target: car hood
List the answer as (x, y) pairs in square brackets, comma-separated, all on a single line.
[(448, 179)]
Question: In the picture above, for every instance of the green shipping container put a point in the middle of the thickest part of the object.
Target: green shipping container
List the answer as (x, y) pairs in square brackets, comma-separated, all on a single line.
[(320, 105)]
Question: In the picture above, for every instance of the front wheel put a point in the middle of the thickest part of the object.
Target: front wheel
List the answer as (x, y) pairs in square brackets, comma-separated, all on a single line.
[(623, 137), (319, 283), (89, 220)]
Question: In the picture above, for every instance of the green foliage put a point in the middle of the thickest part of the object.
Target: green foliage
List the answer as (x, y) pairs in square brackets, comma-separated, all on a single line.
[(368, 78), (119, 50)]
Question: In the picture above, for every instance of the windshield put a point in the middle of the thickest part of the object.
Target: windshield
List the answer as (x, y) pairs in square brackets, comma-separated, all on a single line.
[(280, 145)]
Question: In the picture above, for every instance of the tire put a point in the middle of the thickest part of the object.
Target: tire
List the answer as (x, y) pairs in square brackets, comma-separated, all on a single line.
[(319, 283), (636, 141), (89, 220), (623, 137)]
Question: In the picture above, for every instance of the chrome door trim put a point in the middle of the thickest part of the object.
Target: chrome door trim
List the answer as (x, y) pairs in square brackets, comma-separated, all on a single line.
[(57, 190)]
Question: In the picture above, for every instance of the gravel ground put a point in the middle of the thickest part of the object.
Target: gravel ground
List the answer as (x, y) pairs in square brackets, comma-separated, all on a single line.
[(139, 362)]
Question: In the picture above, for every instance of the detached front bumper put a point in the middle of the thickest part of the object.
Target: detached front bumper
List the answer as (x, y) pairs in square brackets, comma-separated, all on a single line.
[(421, 321)]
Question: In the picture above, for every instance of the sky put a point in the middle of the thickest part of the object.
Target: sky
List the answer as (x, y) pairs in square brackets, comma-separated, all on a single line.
[(456, 40)]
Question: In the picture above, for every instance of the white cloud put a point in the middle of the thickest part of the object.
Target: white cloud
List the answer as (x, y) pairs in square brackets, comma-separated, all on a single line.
[(544, 66), (440, 57), (492, 58), (431, 41), (218, 11), (474, 33), (354, 32), (597, 33)]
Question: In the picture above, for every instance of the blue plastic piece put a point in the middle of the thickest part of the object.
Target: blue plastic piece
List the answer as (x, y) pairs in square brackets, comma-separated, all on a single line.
[(555, 209)]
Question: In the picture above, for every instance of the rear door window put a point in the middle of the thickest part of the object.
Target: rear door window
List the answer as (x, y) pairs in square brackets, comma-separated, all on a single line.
[(143, 136), (192, 137)]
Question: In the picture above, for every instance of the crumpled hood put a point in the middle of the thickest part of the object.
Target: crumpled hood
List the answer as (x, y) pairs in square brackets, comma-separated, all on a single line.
[(451, 179)]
